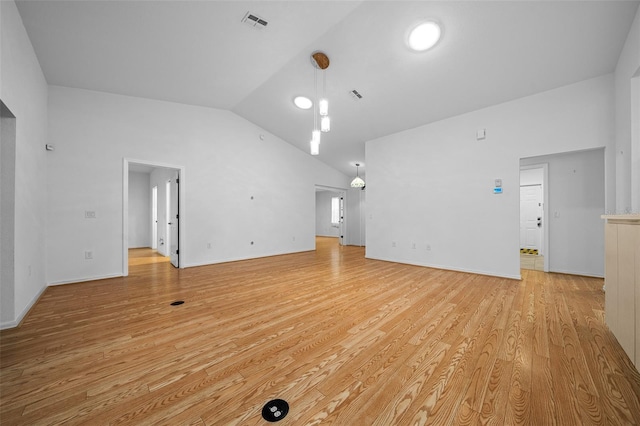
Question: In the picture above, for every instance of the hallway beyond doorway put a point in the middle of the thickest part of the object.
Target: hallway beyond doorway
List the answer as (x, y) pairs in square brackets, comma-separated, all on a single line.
[(145, 256), (532, 262)]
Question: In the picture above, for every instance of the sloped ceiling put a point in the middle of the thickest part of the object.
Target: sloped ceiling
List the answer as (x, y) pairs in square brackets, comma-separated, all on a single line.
[(199, 53)]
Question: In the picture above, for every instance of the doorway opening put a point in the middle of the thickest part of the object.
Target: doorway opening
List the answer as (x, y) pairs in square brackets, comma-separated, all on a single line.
[(331, 214), (533, 220), (153, 213)]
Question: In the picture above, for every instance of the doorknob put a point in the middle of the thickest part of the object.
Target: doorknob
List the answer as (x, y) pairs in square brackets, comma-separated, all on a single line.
[(169, 223)]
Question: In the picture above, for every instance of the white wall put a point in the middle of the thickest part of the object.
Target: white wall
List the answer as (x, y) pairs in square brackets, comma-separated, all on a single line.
[(576, 202), (432, 186), (139, 210), (226, 163), (356, 215), (7, 212), (324, 228), (532, 176), (23, 90), (627, 155)]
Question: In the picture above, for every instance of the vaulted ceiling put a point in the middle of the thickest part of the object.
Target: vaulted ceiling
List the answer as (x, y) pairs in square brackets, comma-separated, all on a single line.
[(200, 53)]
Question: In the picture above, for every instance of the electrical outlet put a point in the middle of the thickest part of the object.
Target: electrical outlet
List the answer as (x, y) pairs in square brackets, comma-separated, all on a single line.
[(208, 245), (393, 244), (413, 246), (89, 214), (428, 247), (88, 255)]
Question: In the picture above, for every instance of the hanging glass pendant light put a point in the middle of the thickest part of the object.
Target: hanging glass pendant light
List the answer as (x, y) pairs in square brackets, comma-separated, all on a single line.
[(323, 105), (325, 123), (315, 147), (357, 182)]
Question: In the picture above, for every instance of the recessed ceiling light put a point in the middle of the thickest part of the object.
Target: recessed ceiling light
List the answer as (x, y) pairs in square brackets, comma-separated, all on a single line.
[(302, 102), (424, 36)]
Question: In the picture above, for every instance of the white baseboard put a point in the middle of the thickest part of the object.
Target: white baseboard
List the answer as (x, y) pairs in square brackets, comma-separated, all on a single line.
[(84, 280), (16, 322), (449, 268), (582, 274), (239, 259)]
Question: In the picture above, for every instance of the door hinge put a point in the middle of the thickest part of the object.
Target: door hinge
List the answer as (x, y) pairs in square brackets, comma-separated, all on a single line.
[(177, 251), (177, 180)]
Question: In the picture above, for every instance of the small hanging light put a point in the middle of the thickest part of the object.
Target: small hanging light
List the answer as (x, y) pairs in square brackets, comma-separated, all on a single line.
[(325, 123), (323, 106), (315, 147), (315, 142), (357, 182)]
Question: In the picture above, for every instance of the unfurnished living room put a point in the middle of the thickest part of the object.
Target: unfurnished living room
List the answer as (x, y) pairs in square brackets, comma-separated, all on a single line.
[(319, 212)]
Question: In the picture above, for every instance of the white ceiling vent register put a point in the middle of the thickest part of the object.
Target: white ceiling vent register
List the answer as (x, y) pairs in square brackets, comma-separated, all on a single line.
[(355, 95), (254, 21)]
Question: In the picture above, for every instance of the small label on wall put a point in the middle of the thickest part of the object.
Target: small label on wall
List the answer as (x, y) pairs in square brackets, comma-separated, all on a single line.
[(497, 190)]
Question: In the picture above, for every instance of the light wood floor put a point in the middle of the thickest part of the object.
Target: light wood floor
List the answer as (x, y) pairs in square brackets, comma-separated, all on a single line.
[(345, 340), (532, 261)]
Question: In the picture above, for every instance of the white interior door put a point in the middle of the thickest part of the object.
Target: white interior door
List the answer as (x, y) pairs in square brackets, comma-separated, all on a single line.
[(341, 227), (154, 217), (531, 216), (174, 231)]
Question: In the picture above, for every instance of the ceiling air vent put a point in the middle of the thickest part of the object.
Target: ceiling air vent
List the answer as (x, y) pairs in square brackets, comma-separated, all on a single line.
[(254, 21), (355, 95)]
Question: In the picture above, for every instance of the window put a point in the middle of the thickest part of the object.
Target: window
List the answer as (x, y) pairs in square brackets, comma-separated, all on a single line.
[(335, 210)]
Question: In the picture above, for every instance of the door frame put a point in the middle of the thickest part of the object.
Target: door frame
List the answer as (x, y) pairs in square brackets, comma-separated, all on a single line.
[(125, 209), (545, 209), (342, 193), (175, 175)]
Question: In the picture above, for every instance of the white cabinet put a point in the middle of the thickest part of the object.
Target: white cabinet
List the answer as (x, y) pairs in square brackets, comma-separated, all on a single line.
[(622, 281)]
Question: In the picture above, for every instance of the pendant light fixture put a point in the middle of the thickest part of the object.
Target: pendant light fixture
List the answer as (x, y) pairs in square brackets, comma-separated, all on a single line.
[(357, 182), (320, 61)]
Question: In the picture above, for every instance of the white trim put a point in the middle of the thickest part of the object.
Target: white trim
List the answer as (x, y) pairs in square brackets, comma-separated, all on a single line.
[(85, 279), (240, 259), (16, 322), (449, 268), (577, 273)]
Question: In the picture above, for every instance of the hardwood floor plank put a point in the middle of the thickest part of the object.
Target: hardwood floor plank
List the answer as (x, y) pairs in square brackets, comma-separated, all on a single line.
[(564, 395), (496, 394), (344, 339), (543, 407)]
